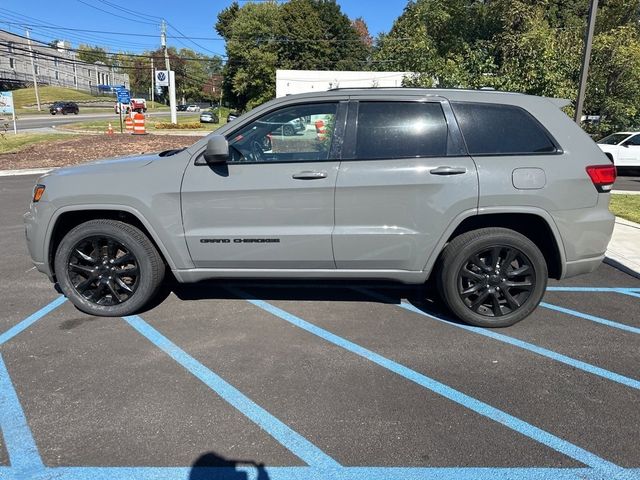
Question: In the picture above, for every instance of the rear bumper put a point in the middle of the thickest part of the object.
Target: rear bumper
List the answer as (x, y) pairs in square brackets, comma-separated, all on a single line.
[(580, 267), (585, 234)]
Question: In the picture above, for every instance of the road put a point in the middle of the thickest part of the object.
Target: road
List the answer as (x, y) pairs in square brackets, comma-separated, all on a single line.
[(31, 122), (313, 380), (627, 183)]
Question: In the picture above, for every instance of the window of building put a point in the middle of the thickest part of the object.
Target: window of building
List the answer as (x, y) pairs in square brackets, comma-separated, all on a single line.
[(400, 130), (12, 63), (492, 129)]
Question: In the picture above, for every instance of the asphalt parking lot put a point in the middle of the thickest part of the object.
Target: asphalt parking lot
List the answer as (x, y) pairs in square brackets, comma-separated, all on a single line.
[(265, 380)]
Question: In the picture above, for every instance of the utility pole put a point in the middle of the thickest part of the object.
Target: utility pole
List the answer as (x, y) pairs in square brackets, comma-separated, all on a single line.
[(153, 86), (172, 82), (586, 57), (33, 71)]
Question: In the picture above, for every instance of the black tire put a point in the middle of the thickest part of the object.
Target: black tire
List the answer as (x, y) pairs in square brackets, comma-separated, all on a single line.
[(64, 112), (492, 277), (288, 130), (108, 268)]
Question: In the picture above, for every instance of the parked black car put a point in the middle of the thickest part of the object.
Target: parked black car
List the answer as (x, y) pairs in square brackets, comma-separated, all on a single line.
[(181, 108), (64, 108)]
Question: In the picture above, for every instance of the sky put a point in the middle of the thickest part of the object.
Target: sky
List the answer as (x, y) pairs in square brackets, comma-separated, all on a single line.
[(188, 18)]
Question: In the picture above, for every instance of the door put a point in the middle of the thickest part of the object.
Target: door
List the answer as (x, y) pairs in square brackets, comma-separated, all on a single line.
[(629, 152), (271, 206), (403, 179)]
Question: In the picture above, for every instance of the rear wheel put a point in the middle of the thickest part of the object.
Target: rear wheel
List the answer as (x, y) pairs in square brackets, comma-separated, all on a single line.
[(288, 130), (492, 277), (108, 268)]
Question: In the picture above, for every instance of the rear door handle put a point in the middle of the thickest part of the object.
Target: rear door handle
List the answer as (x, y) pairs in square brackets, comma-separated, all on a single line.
[(448, 170), (308, 175)]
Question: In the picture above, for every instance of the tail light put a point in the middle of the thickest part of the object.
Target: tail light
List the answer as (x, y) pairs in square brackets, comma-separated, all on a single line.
[(602, 176)]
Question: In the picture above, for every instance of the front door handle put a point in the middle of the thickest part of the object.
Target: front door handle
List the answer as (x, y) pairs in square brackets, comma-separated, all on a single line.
[(448, 170), (308, 175)]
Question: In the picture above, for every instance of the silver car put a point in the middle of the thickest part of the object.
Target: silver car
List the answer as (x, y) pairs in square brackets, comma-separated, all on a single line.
[(487, 193)]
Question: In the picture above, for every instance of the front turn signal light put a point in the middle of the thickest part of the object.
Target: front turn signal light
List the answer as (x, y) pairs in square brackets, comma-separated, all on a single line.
[(38, 191)]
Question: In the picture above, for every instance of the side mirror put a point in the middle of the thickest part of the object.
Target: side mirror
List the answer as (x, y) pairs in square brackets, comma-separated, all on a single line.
[(217, 150)]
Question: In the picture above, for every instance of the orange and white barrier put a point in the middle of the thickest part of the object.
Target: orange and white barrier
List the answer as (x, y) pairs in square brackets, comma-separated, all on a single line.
[(321, 130), (128, 124), (138, 124)]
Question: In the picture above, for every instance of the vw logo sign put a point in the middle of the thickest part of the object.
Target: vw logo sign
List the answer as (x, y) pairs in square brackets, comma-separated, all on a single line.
[(161, 76)]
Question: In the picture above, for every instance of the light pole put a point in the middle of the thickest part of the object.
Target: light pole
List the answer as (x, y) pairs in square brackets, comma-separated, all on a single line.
[(586, 56)]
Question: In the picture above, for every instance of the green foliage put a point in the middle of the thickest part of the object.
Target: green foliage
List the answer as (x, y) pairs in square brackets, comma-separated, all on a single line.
[(299, 34), (93, 54), (527, 46)]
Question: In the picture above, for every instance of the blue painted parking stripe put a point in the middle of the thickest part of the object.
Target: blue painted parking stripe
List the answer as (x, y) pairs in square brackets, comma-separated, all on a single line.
[(593, 318), (30, 320), (292, 440), (585, 289), (345, 473), (450, 393), (558, 357), (629, 291), (21, 447)]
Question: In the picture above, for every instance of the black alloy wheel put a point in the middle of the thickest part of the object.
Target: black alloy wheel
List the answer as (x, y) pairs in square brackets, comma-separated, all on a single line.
[(108, 268), (103, 270), (496, 281), (492, 277)]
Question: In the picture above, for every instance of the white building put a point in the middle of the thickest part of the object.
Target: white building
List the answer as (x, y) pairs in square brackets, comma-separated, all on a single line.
[(289, 82), (53, 66)]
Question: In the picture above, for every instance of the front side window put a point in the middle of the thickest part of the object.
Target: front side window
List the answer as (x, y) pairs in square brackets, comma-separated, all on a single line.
[(301, 133), (493, 129), (400, 130)]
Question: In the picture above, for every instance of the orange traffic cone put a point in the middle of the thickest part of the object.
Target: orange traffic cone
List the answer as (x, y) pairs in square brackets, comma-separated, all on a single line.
[(110, 130)]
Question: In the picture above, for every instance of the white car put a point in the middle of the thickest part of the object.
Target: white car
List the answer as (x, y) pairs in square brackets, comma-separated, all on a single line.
[(623, 148), (193, 108)]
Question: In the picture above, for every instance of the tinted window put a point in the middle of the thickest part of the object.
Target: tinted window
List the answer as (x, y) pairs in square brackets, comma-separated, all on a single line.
[(500, 129), (635, 141), (302, 133), (400, 130), (613, 139)]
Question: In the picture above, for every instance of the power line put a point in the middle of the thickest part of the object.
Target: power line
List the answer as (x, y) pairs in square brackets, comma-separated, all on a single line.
[(115, 14)]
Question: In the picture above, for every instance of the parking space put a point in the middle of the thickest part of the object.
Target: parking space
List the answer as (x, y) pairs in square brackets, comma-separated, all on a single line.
[(305, 380)]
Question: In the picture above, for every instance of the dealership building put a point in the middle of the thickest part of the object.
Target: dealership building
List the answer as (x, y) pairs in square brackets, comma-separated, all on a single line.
[(54, 65)]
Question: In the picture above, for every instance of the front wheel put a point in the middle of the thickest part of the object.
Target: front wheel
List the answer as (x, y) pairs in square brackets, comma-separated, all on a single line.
[(492, 277), (108, 268)]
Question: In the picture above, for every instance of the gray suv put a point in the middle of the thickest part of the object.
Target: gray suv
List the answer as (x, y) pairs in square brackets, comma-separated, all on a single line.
[(488, 193)]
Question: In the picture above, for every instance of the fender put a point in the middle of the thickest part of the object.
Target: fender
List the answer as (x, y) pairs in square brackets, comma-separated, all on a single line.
[(457, 221), (100, 206)]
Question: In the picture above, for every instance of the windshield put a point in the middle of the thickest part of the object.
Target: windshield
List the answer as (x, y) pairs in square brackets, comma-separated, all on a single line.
[(614, 139)]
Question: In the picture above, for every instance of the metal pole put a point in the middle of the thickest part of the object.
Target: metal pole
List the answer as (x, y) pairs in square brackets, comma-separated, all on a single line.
[(153, 87), (586, 56), (172, 86), (33, 71)]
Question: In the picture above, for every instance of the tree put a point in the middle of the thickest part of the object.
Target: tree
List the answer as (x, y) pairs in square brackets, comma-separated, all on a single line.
[(299, 34), (526, 46), (93, 54)]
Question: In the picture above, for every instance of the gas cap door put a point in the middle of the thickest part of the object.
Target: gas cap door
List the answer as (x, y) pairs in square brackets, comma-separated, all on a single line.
[(529, 178)]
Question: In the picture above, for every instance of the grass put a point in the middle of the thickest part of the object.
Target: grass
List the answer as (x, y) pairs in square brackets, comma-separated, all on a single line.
[(102, 125), (24, 99), (626, 206), (10, 143)]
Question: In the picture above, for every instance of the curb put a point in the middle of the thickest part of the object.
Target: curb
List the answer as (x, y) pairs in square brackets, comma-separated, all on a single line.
[(621, 266), (625, 192)]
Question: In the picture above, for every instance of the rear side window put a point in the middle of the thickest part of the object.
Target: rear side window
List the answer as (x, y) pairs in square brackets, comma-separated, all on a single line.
[(400, 130), (491, 129)]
